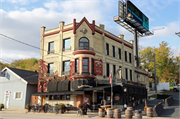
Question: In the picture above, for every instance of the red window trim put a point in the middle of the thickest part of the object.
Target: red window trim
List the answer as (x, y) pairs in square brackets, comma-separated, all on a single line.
[(88, 63), (78, 64)]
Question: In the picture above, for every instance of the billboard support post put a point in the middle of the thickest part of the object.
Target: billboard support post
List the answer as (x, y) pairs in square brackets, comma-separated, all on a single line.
[(136, 47)]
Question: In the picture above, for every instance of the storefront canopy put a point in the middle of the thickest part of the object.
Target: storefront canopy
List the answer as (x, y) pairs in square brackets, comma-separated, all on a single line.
[(59, 93)]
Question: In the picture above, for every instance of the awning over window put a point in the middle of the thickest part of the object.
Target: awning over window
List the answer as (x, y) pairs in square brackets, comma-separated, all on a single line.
[(59, 93)]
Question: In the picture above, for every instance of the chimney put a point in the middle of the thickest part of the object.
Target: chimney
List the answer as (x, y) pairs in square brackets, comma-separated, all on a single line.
[(132, 42), (61, 24), (121, 36)]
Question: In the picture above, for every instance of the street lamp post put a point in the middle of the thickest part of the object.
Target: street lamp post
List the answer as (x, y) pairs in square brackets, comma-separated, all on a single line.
[(178, 34)]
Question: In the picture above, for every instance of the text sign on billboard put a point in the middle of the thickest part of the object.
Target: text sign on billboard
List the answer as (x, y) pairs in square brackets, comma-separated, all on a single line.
[(137, 15)]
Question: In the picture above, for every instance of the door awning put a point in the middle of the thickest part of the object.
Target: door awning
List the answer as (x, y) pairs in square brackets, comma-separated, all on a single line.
[(59, 93)]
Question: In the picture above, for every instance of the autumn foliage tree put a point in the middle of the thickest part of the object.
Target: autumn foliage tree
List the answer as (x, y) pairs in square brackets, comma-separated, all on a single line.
[(166, 63)]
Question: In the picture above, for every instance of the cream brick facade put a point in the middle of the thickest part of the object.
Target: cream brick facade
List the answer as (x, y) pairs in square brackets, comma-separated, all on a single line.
[(97, 42)]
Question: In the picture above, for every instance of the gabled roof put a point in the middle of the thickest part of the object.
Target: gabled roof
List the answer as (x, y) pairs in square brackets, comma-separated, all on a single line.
[(28, 76)]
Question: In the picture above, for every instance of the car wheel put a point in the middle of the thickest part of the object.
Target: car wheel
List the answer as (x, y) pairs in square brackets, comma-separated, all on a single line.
[(175, 90)]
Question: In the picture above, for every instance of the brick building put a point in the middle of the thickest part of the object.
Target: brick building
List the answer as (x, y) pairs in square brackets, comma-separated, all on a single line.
[(91, 53)]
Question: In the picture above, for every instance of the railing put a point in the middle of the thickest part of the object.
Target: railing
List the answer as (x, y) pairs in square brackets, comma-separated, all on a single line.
[(84, 73), (50, 51), (84, 48), (66, 49), (65, 72)]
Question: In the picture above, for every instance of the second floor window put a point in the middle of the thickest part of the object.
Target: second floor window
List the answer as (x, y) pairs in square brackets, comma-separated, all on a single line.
[(50, 69), (85, 65), (76, 65), (113, 51), (107, 49), (83, 43), (66, 67), (51, 48), (119, 53), (125, 55), (66, 44)]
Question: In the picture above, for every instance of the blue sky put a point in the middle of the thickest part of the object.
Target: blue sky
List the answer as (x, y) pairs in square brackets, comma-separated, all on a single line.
[(22, 20)]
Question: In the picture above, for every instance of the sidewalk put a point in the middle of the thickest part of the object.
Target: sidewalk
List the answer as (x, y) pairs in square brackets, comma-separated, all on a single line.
[(73, 114)]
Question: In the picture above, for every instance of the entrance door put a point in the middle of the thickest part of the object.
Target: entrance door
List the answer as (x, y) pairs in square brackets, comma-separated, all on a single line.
[(7, 96), (79, 100)]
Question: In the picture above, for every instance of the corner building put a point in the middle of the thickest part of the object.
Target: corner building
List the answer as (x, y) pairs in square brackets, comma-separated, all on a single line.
[(89, 54)]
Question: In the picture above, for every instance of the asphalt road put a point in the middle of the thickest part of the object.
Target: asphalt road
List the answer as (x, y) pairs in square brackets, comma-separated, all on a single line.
[(173, 110)]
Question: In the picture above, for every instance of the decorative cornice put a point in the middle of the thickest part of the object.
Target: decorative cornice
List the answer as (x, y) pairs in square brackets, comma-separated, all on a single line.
[(67, 29), (100, 32), (128, 45), (84, 52), (51, 33), (115, 39)]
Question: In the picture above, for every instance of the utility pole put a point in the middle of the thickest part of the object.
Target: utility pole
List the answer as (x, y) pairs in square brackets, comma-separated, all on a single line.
[(178, 34), (155, 80)]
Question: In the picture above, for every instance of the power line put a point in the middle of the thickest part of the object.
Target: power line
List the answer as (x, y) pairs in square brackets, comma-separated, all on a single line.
[(35, 46), (5, 60)]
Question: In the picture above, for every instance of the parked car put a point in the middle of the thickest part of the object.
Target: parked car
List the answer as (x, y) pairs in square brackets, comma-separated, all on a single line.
[(176, 88)]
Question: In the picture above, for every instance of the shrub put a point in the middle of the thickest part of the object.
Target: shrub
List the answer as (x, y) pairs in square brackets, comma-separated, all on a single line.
[(60, 105)]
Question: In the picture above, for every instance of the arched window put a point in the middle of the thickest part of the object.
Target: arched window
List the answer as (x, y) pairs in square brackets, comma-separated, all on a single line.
[(83, 43)]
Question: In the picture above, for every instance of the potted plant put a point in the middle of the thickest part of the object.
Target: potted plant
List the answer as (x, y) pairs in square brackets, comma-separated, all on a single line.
[(28, 107), (1, 106), (63, 108), (46, 107)]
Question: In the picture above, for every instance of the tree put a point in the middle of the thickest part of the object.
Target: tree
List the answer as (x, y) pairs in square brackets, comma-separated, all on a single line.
[(166, 64)]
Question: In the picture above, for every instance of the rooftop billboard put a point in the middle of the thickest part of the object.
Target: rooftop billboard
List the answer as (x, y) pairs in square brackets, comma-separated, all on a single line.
[(138, 15)]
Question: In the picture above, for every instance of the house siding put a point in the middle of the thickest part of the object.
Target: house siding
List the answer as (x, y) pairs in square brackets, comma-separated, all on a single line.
[(14, 84), (30, 90)]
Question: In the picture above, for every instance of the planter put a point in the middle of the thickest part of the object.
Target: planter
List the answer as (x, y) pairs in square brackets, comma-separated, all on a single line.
[(0, 109)]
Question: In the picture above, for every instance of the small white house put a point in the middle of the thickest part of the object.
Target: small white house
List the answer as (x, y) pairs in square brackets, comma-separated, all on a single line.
[(16, 87)]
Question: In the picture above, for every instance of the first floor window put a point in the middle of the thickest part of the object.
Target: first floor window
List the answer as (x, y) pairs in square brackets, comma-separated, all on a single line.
[(131, 75), (50, 69), (92, 66), (126, 74), (114, 70), (76, 65), (66, 67), (18, 95), (107, 70), (85, 65)]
